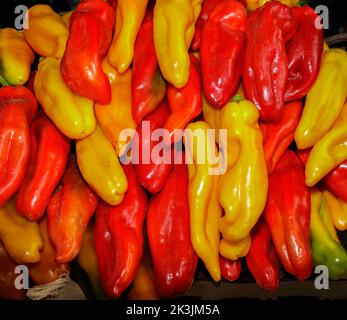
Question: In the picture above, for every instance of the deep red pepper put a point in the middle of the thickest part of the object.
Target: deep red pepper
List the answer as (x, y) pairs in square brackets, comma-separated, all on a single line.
[(173, 256), (304, 53), (118, 236), (49, 154), (18, 107), (265, 70), (230, 270), (91, 28), (222, 50)]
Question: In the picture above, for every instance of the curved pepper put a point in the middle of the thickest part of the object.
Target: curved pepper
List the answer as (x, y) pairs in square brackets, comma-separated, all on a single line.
[(278, 136), (262, 260), (173, 31), (18, 107), (185, 103), (47, 33), (91, 27), (243, 188), (287, 214), (325, 99), (116, 116), (328, 152), (265, 70), (49, 154), (205, 210), (100, 167), (223, 45), (326, 247), (304, 54), (148, 86), (337, 209), (16, 57), (336, 181), (118, 237), (21, 237), (47, 270), (173, 256), (72, 114), (152, 175), (129, 16), (68, 213), (230, 270)]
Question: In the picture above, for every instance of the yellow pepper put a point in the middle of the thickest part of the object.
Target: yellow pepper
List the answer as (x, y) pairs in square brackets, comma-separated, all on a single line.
[(243, 188), (205, 210), (20, 236), (173, 31), (325, 100), (328, 152), (47, 33), (338, 210), (66, 18), (254, 4), (129, 16), (71, 113), (100, 167), (117, 115), (16, 57)]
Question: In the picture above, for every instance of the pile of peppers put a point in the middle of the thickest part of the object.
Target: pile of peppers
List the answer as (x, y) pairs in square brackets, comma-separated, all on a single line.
[(258, 72)]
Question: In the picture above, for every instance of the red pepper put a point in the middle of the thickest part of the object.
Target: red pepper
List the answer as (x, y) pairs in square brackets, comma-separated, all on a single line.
[(287, 214), (68, 213), (265, 70), (222, 51), (152, 175), (304, 54), (185, 103), (118, 237), (262, 260), (173, 256), (91, 27), (230, 270), (18, 107), (148, 85), (278, 137), (49, 154)]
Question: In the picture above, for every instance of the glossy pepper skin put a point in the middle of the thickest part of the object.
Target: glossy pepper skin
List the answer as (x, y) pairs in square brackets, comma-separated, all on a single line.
[(304, 53), (49, 155), (204, 208), (243, 188), (329, 152), (336, 181), (47, 33), (18, 107), (223, 45), (326, 247), (287, 213), (173, 31), (337, 209), (262, 260), (185, 103), (100, 167), (47, 270), (278, 136), (129, 16), (265, 70), (68, 213), (21, 237), (230, 270), (173, 256), (71, 113), (118, 237), (325, 99), (91, 27), (148, 86), (16, 57), (152, 173)]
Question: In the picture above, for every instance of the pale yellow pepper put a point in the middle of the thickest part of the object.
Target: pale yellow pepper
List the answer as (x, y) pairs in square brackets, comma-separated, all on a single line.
[(254, 4), (173, 31), (338, 210), (71, 113), (47, 33), (129, 16)]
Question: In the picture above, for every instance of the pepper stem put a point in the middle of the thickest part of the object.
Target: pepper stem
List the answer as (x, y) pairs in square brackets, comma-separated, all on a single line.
[(3, 82), (237, 98)]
